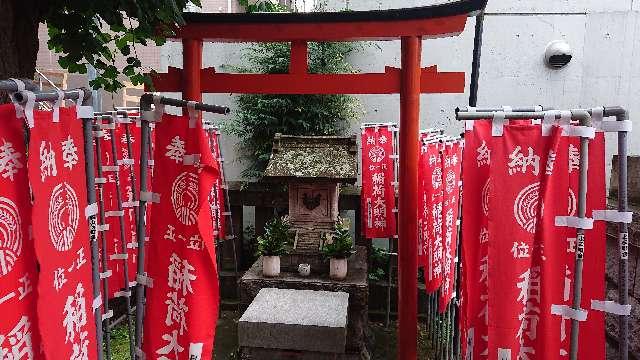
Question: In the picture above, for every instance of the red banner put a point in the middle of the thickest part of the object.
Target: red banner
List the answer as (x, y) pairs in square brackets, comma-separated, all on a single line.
[(57, 176), (19, 336), (424, 183), (474, 315), (182, 305), (423, 210), (519, 308), (217, 200), (451, 168), (129, 172), (109, 205), (552, 269), (125, 167), (378, 194), (435, 245)]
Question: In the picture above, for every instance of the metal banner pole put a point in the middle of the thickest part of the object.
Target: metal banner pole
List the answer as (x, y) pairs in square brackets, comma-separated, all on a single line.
[(432, 319), (388, 308), (104, 275), (448, 347), (87, 128), (13, 85), (123, 248), (444, 340), (452, 327), (475, 63), (437, 323), (392, 248), (458, 262), (218, 241), (623, 237), (582, 209), (227, 212), (140, 223)]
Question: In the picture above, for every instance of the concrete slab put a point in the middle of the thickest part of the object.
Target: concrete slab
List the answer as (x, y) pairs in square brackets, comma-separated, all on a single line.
[(295, 320)]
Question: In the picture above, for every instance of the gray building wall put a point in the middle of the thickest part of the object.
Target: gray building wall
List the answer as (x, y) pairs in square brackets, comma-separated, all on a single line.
[(602, 34)]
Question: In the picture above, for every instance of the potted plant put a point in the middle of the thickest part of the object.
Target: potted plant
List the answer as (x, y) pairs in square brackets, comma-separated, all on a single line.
[(338, 248), (274, 243)]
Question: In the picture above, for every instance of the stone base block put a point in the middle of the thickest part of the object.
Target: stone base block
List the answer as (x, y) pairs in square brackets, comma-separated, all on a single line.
[(274, 354), (356, 285), (287, 319)]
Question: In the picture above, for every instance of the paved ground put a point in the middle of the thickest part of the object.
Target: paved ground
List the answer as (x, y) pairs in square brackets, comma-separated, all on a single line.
[(384, 340)]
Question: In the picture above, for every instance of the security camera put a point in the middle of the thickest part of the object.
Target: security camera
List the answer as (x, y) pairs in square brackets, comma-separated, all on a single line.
[(557, 54)]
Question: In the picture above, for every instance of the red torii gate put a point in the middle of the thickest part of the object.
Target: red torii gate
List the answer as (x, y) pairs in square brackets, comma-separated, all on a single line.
[(408, 25)]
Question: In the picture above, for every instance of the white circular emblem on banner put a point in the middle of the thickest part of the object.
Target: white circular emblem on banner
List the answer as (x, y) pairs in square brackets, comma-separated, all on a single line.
[(436, 178), (376, 154), (10, 235), (573, 203), (184, 198), (525, 207), (63, 216), (485, 198), (451, 181)]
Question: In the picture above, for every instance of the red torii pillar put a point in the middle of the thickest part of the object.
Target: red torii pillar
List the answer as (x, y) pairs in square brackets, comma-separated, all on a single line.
[(191, 65), (411, 47), (409, 81)]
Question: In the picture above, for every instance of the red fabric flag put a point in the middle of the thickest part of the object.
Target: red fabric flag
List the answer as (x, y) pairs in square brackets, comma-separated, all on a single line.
[(129, 176), (424, 182), (182, 305), (110, 204), (519, 311), (451, 168), (474, 269), (378, 194), (19, 336), (435, 245), (217, 200), (57, 176), (554, 195)]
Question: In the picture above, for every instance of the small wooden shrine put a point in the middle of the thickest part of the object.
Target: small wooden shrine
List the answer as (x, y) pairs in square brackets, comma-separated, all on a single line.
[(313, 168)]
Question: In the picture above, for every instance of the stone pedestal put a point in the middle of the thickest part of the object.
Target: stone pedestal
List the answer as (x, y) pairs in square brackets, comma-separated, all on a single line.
[(303, 320), (355, 285)]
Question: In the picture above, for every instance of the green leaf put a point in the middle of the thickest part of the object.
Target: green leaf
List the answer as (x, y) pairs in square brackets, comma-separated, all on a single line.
[(277, 238), (258, 117), (94, 32)]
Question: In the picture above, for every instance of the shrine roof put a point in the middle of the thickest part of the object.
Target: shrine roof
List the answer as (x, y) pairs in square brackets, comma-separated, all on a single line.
[(313, 158)]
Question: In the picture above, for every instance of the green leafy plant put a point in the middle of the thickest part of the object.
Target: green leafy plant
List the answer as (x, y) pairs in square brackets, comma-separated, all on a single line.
[(340, 245), (88, 33), (277, 237), (379, 263), (262, 6), (259, 117)]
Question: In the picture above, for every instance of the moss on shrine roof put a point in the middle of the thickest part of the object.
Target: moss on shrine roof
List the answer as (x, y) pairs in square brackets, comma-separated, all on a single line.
[(313, 157)]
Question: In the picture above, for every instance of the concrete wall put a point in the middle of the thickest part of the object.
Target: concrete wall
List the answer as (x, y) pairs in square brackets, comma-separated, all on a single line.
[(602, 34)]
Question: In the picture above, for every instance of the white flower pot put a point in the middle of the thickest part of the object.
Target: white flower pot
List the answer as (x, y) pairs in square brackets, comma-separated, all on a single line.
[(271, 266), (338, 269)]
